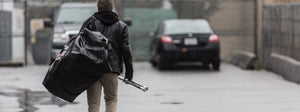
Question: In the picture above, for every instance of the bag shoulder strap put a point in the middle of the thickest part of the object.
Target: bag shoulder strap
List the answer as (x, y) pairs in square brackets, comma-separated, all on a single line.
[(91, 20), (97, 22), (92, 26)]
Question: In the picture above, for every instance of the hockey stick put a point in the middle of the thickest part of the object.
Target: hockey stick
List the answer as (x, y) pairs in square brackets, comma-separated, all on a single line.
[(141, 87)]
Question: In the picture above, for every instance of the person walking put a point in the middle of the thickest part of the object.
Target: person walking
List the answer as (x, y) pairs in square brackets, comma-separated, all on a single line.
[(116, 31)]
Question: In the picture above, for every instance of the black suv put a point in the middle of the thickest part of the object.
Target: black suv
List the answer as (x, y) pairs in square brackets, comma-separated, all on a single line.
[(68, 22), (185, 40)]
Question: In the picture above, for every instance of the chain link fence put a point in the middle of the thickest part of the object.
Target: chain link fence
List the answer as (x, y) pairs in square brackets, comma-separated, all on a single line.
[(232, 20), (280, 31)]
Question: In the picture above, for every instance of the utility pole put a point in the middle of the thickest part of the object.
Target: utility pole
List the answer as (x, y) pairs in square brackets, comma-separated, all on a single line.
[(258, 7), (255, 26), (25, 31), (260, 4)]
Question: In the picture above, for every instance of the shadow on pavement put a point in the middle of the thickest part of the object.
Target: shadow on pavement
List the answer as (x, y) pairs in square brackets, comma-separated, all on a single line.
[(190, 67)]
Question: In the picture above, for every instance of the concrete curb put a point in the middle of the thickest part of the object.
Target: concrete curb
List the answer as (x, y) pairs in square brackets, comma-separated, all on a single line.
[(285, 66), (245, 60), (11, 64)]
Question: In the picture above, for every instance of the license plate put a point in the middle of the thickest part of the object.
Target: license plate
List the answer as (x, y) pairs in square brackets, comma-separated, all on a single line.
[(190, 41)]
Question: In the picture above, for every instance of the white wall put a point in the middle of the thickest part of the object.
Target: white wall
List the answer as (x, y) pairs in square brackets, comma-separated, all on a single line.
[(18, 22), (18, 45), (18, 50)]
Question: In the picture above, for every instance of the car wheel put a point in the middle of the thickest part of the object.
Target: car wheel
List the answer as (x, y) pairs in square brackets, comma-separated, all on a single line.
[(153, 63), (51, 61), (216, 64), (205, 66), (161, 64)]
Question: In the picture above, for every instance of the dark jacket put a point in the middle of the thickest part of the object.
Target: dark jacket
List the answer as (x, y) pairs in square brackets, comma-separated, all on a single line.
[(117, 33)]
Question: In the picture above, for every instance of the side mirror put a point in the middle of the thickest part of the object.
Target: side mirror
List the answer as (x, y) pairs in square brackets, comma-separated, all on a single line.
[(48, 23), (128, 22)]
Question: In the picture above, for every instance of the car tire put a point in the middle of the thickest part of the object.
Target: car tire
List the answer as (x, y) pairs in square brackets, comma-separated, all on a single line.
[(216, 64), (153, 64), (162, 66), (205, 66), (51, 61)]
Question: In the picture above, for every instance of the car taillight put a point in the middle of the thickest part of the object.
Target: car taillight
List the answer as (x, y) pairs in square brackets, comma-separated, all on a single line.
[(166, 39), (213, 38)]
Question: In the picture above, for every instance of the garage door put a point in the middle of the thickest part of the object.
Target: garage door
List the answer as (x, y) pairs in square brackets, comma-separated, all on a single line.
[(5, 36)]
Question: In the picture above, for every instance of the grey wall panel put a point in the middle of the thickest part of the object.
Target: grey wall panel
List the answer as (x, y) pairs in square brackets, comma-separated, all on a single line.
[(5, 36)]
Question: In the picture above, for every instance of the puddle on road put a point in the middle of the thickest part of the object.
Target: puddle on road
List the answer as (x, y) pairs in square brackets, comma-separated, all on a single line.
[(44, 98), (28, 99), (173, 103)]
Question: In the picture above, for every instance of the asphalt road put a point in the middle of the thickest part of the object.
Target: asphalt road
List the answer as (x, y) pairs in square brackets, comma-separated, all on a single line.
[(181, 89)]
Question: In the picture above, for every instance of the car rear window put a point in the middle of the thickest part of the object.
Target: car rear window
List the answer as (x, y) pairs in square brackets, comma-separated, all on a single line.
[(187, 26)]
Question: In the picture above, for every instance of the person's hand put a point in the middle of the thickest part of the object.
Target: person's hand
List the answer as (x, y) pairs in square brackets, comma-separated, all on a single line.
[(128, 76), (125, 81)]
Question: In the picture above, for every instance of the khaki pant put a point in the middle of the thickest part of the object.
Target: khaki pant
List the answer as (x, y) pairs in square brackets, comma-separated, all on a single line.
[(109, 82)]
